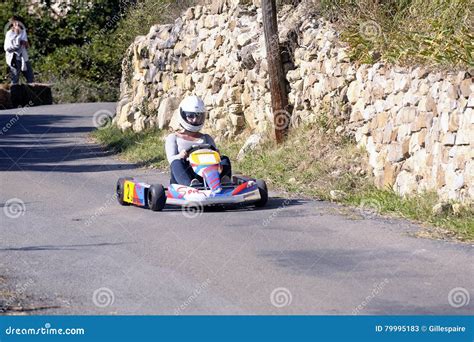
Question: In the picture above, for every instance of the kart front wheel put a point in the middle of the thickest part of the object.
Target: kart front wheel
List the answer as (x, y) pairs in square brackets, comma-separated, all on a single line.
[(156, 197), (262, 189), (119, 191)]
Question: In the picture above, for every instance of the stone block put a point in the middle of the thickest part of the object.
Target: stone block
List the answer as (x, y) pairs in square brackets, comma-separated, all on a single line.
[(390, 171), (237, 120), (427, 104), (406, 183), (403, 131), (165, 111), (398, 151), (465, 137), (356, 112), (406, 115), (354, 91), (414, 144), (448, 139), (34, 94), (401, 82), (466, 87), (368, 112), (454, 179), (453, 123), (381, 119)]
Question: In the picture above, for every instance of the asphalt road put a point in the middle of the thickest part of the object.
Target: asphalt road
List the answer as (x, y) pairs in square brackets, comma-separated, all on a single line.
[(67, 247)]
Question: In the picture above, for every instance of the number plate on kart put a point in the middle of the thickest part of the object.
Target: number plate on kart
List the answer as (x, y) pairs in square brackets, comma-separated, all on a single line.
[(134, 193), (128, 190), (205, 158)]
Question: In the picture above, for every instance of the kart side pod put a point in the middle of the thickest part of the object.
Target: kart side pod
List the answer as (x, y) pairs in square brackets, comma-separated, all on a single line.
[(140, 194)]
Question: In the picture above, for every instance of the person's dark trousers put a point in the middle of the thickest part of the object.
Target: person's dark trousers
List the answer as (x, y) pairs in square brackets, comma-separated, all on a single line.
[(182, 172), (15, 71)]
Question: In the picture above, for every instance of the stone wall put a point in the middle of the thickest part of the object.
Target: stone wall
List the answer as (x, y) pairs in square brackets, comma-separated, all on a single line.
[(417, 125), (217, 53), (20, 95)]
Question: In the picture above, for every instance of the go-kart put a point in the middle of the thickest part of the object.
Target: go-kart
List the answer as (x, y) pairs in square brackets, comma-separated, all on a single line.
[(205, 162)]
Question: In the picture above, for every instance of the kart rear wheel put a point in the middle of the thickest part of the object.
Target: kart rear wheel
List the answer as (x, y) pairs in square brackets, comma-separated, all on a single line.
[(262, 189), (119, 190), (156, 197)]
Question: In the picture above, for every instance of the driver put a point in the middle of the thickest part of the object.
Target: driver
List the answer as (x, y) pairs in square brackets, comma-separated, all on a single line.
[(192, 114)]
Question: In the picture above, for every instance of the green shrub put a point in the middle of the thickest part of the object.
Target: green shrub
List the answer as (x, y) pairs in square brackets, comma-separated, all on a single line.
[(81, 53), (70, 90)]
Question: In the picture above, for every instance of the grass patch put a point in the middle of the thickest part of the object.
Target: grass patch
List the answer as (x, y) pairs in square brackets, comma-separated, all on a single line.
[(312, 162), (304, 164), (325, 161), (459, 225), (437, 32), (144, 148)]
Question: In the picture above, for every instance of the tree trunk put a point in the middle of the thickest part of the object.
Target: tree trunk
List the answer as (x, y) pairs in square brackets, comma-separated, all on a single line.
[(281, 116)]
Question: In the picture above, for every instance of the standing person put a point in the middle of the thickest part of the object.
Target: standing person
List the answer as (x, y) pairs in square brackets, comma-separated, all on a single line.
[(15, 46)]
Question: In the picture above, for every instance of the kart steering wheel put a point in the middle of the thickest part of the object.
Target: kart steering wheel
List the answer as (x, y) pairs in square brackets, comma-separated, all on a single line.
[(200, 147)]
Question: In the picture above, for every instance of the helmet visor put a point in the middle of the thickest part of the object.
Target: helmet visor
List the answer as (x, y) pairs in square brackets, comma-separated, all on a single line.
[(194, 118)]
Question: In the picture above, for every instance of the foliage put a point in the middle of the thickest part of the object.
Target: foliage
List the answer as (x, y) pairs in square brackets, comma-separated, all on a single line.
[(81, 53), (437, 32)]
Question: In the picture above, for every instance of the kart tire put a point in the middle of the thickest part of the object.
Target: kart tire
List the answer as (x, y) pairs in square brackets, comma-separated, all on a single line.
[(156, 197), (262, 189), (119, 190)]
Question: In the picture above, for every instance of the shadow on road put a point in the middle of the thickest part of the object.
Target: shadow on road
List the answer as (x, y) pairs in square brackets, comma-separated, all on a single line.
[(48, 143), (273, 203), (327, 262), (58, 247)]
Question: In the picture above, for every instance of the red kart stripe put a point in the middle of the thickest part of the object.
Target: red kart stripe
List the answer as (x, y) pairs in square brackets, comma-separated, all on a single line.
[(239, 188)]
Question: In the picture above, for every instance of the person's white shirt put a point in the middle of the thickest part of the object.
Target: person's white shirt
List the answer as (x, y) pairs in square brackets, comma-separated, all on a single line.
[(12, 46)]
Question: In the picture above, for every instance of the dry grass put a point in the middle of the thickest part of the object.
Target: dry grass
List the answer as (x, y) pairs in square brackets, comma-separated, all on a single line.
[(435, 32), (312, 162)]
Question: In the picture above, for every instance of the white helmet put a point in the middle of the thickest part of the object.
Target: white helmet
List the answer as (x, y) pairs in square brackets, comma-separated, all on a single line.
[(192, 113)]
